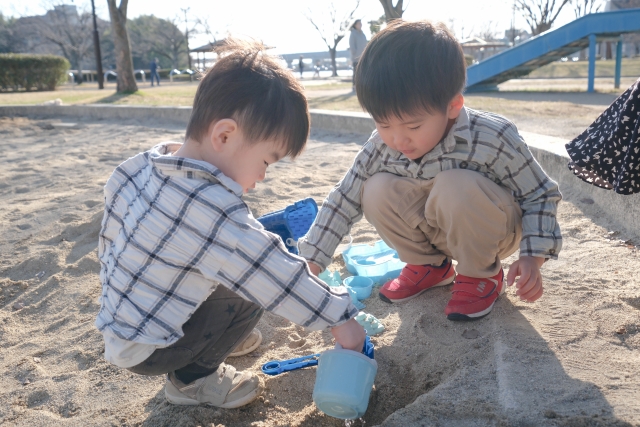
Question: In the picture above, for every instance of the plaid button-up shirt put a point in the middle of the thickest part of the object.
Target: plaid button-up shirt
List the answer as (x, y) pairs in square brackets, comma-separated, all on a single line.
[(479, 141), (173, 230)]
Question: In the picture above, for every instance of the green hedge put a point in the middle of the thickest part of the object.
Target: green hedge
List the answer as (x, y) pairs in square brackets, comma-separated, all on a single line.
[(29, 72)]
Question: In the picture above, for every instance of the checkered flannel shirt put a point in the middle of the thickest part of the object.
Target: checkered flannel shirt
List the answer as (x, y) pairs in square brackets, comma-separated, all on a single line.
[(175, 228), (479, 141)]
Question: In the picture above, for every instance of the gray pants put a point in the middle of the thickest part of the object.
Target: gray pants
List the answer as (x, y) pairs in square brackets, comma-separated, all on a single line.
[(222, 322)]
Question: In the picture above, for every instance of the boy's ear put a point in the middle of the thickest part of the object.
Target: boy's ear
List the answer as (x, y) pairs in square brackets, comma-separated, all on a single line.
[(221, 132), (456, 104)]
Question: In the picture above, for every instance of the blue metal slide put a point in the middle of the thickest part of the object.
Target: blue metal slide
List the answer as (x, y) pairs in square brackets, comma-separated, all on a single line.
[(554, 44)]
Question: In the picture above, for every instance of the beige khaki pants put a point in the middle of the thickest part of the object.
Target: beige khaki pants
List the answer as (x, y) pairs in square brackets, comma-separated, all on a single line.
[(459, 214)]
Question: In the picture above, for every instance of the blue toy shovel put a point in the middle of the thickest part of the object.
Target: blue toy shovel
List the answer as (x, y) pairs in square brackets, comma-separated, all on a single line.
[(276, 367)]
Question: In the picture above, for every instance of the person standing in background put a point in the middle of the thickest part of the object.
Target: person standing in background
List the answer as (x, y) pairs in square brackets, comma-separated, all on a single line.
[(153, 68), (301, 65), (357, 43)]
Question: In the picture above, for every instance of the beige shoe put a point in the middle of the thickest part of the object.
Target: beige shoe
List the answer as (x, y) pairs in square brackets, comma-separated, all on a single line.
[(249, 344), (225, 388)]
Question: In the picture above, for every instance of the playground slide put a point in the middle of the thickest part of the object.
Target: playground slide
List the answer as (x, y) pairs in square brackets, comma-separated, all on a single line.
[(552, 45)]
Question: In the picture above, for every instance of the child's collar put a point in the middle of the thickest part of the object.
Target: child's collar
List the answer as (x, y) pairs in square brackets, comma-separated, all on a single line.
[(183, 167), (460, 130)]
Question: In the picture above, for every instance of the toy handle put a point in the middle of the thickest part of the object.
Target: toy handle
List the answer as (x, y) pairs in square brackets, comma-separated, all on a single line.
[(367, 341)]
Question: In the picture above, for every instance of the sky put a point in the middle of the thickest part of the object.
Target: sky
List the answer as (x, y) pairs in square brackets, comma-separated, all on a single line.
[(283, 23)]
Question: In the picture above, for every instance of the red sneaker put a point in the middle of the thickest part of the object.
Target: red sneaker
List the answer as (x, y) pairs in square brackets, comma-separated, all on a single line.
[(414, 280), (473, 298)]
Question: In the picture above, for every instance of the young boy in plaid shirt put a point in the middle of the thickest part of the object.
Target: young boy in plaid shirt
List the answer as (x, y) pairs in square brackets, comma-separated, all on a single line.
[(186, 270), (440, 181)]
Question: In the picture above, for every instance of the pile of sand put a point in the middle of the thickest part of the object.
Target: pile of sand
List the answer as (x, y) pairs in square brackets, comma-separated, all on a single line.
[(571, 359)]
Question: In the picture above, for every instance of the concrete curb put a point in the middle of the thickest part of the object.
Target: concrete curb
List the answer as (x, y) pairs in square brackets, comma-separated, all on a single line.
[(552, 156), (549, 151), (171, 115)]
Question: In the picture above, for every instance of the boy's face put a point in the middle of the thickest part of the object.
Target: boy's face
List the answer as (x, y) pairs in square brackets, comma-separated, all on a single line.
[(417, 134), (248, 163)]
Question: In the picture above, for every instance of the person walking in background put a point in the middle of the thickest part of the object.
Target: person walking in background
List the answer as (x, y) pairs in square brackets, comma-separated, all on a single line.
[(301, 65), (357, 43), (316, 69), (153, 67)]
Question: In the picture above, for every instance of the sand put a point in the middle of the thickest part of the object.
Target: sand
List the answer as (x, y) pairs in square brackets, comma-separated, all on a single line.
[(570, 359)]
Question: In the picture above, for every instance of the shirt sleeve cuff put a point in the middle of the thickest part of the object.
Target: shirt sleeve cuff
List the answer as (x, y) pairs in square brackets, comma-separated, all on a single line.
[(313, 254)]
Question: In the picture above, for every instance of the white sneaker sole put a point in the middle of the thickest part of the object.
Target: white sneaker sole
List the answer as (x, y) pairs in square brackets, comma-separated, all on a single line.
[(250, 349), (173, 395)]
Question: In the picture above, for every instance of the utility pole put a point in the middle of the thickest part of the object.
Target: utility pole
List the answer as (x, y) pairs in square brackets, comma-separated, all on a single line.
[(96, 47), (186, 31), (513, 25)]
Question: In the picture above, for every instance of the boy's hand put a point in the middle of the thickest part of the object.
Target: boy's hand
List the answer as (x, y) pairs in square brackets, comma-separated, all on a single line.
[(350, 335), (530, 282), (315, 269)]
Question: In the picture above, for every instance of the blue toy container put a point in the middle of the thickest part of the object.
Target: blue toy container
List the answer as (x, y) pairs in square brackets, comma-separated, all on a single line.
[(361, 285), (344, 380), (291, 223), (378, 262)]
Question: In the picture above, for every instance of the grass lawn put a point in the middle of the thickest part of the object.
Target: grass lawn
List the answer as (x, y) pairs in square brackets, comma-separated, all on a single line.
[(331, 85), (176, 94)]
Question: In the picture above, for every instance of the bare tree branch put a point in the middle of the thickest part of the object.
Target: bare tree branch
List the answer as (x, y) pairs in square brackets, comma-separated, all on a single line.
[(70, 31), (332, 31), (488, 31), (540, 14), (585, 7)]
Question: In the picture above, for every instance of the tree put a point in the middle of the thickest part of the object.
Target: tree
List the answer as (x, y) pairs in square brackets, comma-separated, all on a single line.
[(124, 62), (488, 31), (540, 14), (392, 12), (189, 31), (7, 44), (70, 31), (153, 37), (96, 46), (585, 7), (582, 8), (333, 30), (221, 29)]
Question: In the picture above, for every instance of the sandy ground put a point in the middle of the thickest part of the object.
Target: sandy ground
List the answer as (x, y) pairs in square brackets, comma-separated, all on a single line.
[(571, 359)]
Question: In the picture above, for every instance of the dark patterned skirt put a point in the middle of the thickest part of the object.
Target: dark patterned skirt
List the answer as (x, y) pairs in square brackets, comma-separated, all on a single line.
[(607, 153)]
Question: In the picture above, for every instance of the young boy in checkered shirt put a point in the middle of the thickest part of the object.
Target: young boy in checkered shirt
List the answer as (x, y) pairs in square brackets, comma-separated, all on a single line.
[(440, 181), (186, 270)]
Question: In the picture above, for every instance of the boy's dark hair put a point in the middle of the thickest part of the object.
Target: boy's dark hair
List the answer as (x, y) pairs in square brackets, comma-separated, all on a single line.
[(410, 67), (256, 91)]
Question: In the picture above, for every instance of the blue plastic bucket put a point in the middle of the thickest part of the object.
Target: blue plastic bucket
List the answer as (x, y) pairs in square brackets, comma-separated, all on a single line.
[(344, 380), (292, 222), (361, 286)]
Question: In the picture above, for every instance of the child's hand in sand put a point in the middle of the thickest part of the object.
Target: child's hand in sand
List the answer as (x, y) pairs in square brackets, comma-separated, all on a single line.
[(530, 282), (315, 269), (350, 335)]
